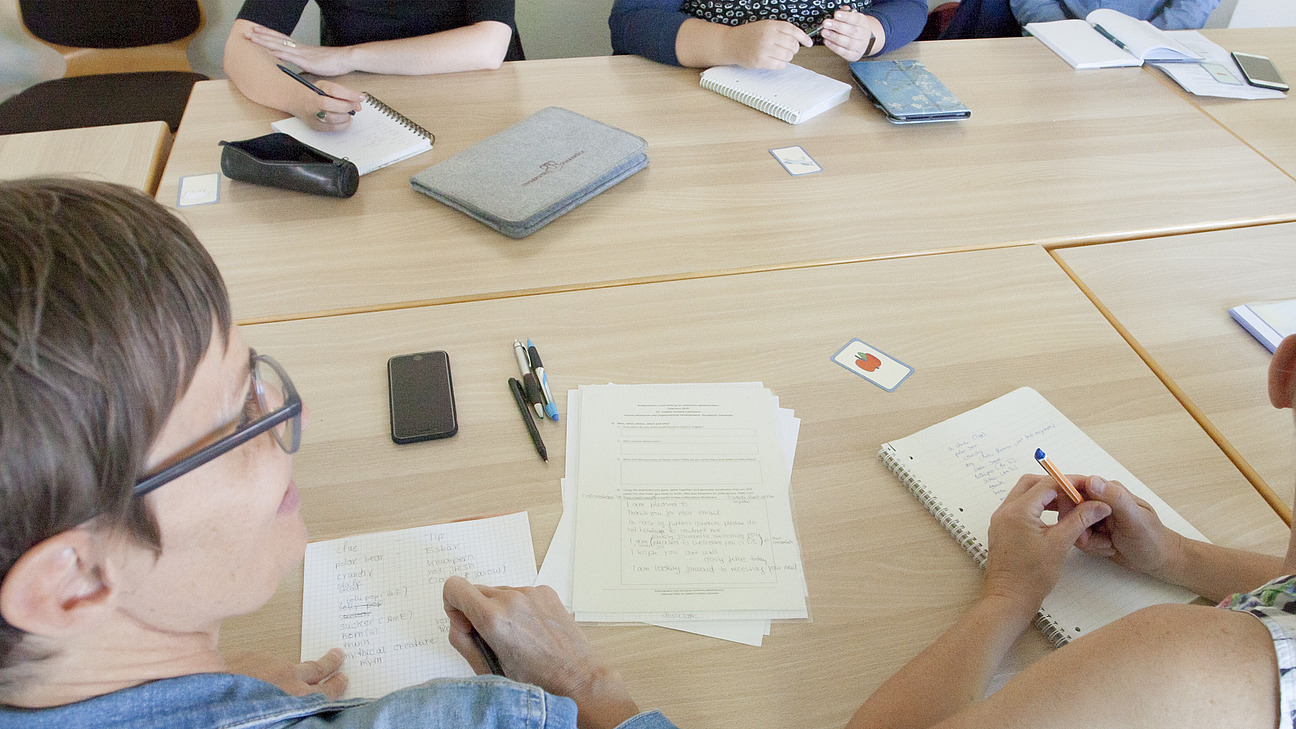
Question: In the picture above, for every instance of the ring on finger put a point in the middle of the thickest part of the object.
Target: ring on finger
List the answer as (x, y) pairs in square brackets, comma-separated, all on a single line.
[(321, 115), (288, 42)]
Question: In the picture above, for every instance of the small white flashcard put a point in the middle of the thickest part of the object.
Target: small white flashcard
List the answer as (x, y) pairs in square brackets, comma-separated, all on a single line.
[(873, 364), (199, 190), (796, 161)]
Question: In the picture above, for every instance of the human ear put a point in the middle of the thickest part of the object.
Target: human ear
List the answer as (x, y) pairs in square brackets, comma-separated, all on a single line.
[(56, 589), (1282, 373)]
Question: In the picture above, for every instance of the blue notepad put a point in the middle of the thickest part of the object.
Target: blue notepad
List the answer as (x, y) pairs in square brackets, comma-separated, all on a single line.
[(907, 92)]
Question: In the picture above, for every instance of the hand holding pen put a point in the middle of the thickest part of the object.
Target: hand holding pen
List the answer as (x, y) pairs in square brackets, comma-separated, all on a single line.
[(333, 103), (850, 34)]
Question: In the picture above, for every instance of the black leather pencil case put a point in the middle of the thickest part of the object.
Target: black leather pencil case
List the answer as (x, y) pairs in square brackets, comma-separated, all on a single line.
[(278, 160)]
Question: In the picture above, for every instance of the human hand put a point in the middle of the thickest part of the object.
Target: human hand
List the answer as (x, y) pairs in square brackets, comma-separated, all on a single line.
[(1133, 536), (1026, 555), (298, 679), (319, 60), (848, 34), (764, 43), (536, 642)]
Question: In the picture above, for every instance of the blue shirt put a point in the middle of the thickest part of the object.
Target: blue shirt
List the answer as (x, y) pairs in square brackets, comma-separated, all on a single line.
[(648, 27), (1164, 14), (226, 701)]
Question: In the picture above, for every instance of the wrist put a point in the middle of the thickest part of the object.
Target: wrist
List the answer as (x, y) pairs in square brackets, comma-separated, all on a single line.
[(1178, 557), (603, 701), (1012, 609)]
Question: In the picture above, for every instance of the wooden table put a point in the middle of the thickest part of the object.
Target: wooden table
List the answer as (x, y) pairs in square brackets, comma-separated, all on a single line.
[(1050, 154), (131, 154), (1266, 125), (1172, 296), (884, 578)]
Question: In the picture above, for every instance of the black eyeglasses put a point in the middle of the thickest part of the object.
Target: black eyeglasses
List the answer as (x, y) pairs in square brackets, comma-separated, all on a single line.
[(275, 407)]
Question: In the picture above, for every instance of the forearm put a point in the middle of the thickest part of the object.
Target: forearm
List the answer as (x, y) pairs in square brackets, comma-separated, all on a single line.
[(1215, 572), (647, 28), (1037, 11), (1183, 15), (702, 44), (471, 48), (952, 673), (901, 20), (254, 73)]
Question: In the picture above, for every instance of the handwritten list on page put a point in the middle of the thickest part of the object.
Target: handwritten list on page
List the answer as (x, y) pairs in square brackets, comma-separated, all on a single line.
[(378, 596)]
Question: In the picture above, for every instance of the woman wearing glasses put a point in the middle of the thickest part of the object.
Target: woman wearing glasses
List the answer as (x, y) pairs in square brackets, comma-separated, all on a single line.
[(146, 494)]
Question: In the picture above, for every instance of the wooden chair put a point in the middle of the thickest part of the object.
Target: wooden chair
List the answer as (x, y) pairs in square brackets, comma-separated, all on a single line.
[(125, 59)]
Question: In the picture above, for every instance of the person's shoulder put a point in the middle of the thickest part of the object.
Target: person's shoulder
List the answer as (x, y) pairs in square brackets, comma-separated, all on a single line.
[(184, 702), (481, 702)]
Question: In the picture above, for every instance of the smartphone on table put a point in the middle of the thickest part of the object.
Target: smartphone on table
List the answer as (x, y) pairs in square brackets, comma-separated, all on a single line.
[(422, 397), (1260, 71)]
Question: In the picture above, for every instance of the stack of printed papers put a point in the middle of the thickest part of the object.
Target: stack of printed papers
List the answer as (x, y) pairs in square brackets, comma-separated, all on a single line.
[(676, 510)]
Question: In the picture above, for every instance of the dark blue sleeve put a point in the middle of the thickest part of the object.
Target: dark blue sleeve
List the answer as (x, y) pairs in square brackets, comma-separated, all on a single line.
[(648, 28), (902, 20), (280, 15)]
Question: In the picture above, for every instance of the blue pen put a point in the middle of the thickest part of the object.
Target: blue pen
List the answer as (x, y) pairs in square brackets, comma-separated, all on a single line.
[(550, 407)]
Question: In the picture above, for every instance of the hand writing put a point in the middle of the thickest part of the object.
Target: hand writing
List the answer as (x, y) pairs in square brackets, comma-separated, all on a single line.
[(537, 642)]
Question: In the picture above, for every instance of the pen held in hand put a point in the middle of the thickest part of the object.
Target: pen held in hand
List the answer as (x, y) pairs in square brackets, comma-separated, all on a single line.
[(1064, 484), (520, 399), (302, 80)]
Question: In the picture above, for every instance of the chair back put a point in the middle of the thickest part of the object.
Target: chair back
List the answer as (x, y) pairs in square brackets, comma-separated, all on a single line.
[(115, 36)]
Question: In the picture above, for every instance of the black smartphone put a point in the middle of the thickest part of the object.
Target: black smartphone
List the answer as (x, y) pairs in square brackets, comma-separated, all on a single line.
[(1260, 71), (422, 398)]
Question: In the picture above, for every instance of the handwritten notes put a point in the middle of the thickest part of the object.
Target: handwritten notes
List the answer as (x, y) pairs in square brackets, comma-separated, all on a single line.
[(378, 596)]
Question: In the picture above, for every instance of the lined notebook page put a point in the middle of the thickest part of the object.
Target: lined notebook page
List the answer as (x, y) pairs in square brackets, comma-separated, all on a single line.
[(792, 93), (962, 469), (376, 137), (378, 596)]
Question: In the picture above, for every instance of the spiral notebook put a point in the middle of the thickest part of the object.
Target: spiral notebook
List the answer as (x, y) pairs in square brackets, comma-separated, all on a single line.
[(792, 93), (961, 470), (378, 136)]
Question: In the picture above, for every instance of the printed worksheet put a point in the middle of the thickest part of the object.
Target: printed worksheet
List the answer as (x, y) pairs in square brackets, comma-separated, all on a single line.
[(682, 504)]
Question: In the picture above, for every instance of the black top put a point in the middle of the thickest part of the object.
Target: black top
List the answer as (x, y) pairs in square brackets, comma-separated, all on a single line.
[(349, 22)]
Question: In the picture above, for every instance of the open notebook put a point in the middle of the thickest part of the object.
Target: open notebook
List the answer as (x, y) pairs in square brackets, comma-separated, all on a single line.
[(377, 136), (961, 470), (378, 596), (792, 93)]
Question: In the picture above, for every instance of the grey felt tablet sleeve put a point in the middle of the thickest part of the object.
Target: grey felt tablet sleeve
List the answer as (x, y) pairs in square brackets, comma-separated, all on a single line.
[(519, 180)]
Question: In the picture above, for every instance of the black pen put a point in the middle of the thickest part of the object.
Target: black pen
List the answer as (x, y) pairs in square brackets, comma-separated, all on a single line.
[(308, 84), (492, 661), (516, 387)]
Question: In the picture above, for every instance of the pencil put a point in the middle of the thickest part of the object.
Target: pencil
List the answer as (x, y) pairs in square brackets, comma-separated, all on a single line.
[(1062, 481)]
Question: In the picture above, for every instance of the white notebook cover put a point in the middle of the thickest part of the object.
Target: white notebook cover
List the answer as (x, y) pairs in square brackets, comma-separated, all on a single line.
[(792, 93), (961, 470)]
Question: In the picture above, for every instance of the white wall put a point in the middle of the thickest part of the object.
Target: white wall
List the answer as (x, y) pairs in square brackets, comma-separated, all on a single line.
[(549, 29)]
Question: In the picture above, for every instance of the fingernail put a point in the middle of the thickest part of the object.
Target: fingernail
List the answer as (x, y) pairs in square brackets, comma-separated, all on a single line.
[(1096, 485)]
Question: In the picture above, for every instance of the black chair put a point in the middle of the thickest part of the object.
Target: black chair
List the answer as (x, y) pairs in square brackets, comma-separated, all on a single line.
[(126, 63)]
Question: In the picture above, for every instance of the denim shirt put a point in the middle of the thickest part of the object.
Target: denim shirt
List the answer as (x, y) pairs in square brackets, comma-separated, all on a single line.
[(227, 701)]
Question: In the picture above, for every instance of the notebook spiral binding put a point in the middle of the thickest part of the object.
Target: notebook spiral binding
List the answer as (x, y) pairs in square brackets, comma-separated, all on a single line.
[(760, 103), (1050, 628), (400, 118)]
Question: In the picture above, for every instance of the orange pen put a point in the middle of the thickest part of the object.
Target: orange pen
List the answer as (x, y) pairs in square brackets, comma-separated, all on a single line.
[(1062, 481)]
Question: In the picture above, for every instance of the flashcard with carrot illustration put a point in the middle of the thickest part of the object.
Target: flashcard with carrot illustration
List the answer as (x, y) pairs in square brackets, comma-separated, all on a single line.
[(872, 364)]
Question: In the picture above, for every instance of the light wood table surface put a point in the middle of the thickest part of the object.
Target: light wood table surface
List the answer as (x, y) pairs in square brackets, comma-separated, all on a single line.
[(1268, 125), (1172, 296), (1048, 155), (131, 154), (884, 577)]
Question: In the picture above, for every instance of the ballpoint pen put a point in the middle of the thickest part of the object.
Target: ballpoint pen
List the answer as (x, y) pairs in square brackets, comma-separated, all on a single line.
[(530, 388), (550, 407), (302, 80), (1062, 481), (516, 388)]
